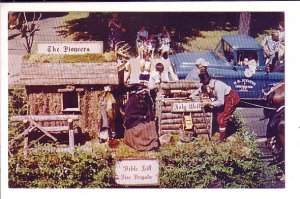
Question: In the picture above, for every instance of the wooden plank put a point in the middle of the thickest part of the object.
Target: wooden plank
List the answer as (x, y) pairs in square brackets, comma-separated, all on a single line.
[(56, 128), (71, 75), (71, 134), (202, 131), (180, 85), (168, 115), (42, 129), (26, 141), (72, 72), (42, 118), (11, 142), (179, 126), (179, 120), (104, 80), (26, 146), (198, 131)]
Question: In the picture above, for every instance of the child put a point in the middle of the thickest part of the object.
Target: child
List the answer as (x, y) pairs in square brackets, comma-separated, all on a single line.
[(142, 37), (150, 45), (145, 66), (164, 41)]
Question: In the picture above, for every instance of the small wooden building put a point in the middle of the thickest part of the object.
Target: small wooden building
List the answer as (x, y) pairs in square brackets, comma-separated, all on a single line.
[(179, 114), (70, 89)]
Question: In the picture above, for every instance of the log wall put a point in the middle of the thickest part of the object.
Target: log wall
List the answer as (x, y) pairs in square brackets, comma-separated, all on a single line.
[(49, 102), (172, 122)]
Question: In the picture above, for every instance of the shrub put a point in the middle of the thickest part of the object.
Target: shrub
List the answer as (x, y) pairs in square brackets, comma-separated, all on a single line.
[(46, 168), (17, 105), (198, 164)]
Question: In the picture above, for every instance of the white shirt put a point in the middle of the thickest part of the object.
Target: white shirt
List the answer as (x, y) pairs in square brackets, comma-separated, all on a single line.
[(157, 78), (221, 90), (270, 45), (142, 34), (281, 35)]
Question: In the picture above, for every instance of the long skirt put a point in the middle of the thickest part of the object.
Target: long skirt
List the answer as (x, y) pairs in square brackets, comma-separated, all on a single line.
[(142, 137)]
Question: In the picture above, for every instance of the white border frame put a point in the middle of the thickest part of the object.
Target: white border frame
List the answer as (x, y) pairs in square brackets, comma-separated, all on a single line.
[(292, 16)]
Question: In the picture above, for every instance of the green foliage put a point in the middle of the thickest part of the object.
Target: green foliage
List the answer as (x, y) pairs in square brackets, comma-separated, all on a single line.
[(17, 105), (198, 164), (59, 58), (17, 100), (46, 168), (204, 163)]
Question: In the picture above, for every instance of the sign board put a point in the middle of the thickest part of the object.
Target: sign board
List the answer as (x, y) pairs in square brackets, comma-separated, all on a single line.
[(137, 172), (186, 106), (73, 47)]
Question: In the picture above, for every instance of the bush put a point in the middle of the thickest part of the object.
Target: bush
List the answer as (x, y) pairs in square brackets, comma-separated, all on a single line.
[(46, 168), (17, 105), (198, 164)]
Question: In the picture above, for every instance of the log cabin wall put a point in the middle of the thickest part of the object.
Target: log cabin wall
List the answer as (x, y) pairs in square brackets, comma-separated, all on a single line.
[(45, 100), (171, 122), (45, 83)]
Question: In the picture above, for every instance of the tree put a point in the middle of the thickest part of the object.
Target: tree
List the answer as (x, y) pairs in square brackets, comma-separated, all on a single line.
[(28, 30), (244, 23)]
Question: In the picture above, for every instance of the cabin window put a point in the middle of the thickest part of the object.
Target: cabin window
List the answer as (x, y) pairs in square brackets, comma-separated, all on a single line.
[(70, 101)]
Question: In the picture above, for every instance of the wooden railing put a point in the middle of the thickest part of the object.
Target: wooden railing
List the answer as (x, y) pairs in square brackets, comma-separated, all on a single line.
[(31, 123)]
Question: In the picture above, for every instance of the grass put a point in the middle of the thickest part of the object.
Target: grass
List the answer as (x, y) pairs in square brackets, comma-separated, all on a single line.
[(71, 17), (75, 15), (206, 40)]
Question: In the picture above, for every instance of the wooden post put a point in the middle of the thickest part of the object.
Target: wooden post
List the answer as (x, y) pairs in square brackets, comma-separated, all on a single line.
[(26, 124), (71, 134)]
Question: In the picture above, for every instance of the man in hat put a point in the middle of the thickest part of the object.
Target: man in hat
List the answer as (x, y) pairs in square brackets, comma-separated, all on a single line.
[(222, 98), (271, 46)]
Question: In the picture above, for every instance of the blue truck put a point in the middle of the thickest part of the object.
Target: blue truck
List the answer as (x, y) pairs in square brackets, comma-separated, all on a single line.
[(227, 63)]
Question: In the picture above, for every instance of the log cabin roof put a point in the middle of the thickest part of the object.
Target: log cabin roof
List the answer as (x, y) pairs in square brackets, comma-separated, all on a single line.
[(70, 73)]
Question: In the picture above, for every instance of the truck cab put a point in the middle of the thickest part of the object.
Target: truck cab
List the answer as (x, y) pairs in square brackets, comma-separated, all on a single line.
[(237, 60)]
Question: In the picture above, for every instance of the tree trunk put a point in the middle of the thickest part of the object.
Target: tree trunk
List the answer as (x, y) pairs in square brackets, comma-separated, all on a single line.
[(244, 24)]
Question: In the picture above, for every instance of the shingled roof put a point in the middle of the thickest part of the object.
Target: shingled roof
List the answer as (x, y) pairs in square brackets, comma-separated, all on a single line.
[(70, 73)]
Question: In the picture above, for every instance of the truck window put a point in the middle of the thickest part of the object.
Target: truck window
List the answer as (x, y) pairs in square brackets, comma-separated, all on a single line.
[(247, 55), (228, 52)]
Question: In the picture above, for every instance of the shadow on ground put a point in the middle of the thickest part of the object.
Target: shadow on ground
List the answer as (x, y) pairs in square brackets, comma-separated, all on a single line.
[(180, 24)]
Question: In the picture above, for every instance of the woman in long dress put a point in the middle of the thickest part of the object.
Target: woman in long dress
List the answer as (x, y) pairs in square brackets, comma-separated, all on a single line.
[(140, 129)]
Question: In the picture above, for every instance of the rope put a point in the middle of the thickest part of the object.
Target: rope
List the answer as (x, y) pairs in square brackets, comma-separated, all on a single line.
[(256, 105)]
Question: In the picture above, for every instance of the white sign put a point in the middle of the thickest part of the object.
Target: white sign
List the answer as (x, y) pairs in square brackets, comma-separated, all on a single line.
[(80, 47), (186, 106), (137, 172), (244, 85)]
